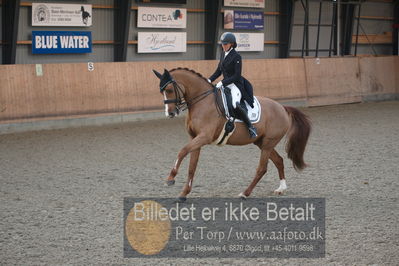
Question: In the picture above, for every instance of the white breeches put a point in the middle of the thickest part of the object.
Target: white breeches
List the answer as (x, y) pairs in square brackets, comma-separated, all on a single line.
[(235, 94)]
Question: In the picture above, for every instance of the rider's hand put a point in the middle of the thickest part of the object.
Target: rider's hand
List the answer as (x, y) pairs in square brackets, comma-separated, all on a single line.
[(219, 85)]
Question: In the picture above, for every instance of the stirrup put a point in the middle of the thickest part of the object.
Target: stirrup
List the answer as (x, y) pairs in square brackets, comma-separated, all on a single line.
[(252, 132)]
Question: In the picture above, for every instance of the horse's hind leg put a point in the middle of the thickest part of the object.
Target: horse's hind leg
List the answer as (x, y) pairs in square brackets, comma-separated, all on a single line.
[(260, 171), (279, 163)]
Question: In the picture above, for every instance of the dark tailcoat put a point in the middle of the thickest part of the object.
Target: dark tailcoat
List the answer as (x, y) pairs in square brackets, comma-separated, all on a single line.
[(231, 67)]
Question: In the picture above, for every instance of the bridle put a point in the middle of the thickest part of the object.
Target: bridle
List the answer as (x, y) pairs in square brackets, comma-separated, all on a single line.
[(181, 103)]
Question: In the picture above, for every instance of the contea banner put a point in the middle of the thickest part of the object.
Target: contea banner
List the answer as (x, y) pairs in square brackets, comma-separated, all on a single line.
[(243, 20), (49, 14), (245, 3), (162, 42), (156, 17), (250, 41), (61, 42)]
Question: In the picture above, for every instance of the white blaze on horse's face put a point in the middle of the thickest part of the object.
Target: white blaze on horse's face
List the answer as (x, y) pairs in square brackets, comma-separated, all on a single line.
[(166, 105), (170, 108)]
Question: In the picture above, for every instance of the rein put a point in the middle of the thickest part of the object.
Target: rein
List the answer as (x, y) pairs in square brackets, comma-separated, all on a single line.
[(181, 103)]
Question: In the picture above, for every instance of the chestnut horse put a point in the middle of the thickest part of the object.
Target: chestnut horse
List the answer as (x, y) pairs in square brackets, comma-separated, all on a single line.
[(183, 88)]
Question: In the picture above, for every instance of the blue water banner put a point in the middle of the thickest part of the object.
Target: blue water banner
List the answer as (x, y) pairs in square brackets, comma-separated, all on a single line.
[(61, 42), (243, 20)]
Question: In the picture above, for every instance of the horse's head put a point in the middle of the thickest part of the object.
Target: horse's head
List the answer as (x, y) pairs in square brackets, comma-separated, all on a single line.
[(172, 93)]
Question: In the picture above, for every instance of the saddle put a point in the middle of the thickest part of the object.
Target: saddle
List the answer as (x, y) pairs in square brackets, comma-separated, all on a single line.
[(225, 105), (226, 100)]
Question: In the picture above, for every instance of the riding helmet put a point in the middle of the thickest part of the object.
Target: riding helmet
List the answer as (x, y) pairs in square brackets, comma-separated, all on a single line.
[(228, 37)]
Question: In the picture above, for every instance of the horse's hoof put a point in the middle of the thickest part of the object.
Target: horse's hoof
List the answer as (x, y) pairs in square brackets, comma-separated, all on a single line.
[(242, 196), (181, 199), (170, 182), (278, 192)]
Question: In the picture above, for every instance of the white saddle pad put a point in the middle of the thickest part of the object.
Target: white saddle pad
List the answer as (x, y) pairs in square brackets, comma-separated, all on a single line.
[(253, 113)]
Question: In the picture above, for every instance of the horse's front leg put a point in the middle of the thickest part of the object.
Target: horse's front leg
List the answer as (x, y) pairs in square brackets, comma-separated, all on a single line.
[(193, 145), (194, 156)]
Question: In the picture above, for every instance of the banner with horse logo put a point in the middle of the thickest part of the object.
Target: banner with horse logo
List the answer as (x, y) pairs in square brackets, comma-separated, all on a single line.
[(49, 14)]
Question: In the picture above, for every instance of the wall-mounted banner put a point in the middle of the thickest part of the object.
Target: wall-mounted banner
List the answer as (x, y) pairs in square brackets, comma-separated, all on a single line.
[(156, 17), (243, 20), (61, 42), (250, 41), (162, 42), (245, 3), (49, 14), (182, 2)]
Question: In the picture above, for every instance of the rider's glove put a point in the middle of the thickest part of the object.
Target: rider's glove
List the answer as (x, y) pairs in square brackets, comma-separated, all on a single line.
[(219, 85)]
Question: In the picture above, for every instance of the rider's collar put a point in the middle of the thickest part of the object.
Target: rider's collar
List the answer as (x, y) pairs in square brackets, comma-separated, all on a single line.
[(226, 53)]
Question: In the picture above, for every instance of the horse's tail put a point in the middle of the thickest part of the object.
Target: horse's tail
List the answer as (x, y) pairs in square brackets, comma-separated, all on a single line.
[(298, 135)]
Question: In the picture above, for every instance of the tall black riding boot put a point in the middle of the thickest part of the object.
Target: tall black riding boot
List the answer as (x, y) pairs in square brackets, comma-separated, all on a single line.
[(244, 116)]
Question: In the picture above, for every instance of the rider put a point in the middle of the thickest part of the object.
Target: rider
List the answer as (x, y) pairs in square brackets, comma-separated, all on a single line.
[(230, 65)]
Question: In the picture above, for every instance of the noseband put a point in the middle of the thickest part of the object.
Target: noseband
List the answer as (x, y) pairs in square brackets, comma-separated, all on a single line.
[(181, 103)]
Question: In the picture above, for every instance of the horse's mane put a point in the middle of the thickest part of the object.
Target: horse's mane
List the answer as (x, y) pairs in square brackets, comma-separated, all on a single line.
[(189, 70)]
